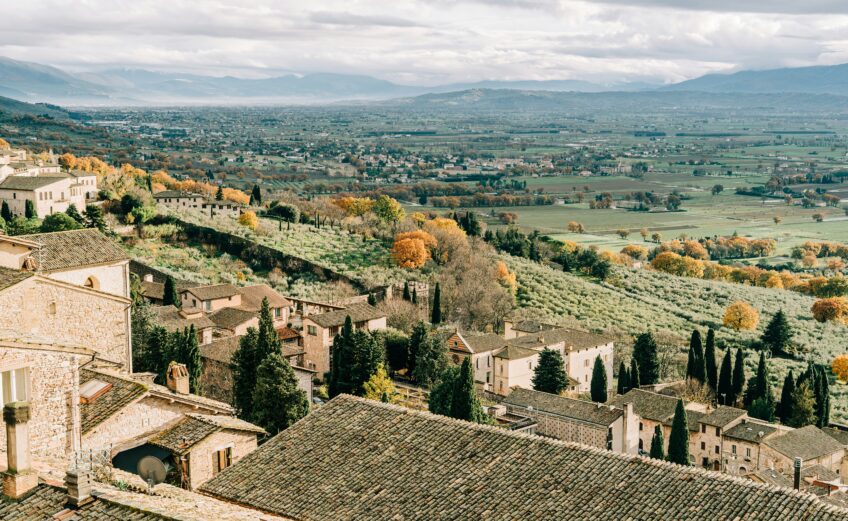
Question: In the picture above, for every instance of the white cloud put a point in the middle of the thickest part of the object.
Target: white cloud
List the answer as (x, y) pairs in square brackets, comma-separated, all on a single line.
[(431, 41)]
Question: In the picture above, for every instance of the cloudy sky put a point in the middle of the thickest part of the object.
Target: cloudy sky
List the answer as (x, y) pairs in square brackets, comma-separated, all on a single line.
[(430, 41)]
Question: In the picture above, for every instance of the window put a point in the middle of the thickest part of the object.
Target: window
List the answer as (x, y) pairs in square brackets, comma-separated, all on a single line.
[(703, 446), (477, 363), (15, 385), (717, 449), (488, 376), (747, 452), (641, 426), (92, 283), (733, 449), (208, 305), (278, 312), (529, 365), (718, 431), (311, 330), (585, 363), (703, 428), (221, 459)]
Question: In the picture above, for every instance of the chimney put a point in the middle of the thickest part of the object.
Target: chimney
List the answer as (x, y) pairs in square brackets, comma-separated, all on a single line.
[(177, 378), (78, 483), (797, 466), (19, 478)]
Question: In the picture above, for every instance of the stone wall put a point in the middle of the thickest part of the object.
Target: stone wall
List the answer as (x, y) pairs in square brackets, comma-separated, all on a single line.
[(54, 399), (564, 429), (201, 465), (217, 381), (64, 315), (109, 278)]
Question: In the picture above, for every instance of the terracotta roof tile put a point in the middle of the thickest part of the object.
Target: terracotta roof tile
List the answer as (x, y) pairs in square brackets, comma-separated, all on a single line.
[(806, 443), (122, 393), (46, 501), (562, 406), (357, 313), (74, 248)]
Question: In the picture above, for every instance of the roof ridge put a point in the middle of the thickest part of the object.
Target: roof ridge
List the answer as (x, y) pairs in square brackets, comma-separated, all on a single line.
[(573, 445)]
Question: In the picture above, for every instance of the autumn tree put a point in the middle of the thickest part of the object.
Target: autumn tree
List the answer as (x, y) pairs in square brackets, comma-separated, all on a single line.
[(380, 387), (839, 366), (388, 210), (249, 220), (410, 253), (741, 316), (832, 309), (576, 227)]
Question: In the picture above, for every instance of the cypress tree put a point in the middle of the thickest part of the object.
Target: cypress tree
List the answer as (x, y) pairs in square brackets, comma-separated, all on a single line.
[(244, 375), (416, 341), (645, 353), (623, 379), (267, 339), (761, 397), (219, 195), (724, 390), (192, 359), (415, 296), (5, 212), (158, 353), (256, 194), (73, 213), (823, 401), (368, 357), (94, 217), (29, 209), (710, 364), (598, 386), (170, 296), (784, 408), (678, 441), (436, 316), (465, 405), (440, 399), (738, 376), (778, 334), (695, 363), (430, 361), (549, 374), (657, 444), (803, 408), (406, 295), (635, 382), (342, 360), (277, 400)]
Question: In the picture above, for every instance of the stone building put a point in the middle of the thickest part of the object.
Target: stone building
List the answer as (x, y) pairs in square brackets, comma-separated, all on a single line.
[(320, 330), (709, 449), (201, 445), (742, 445), (49, 193), (434, 467), (179, 200), (810, 444), (569, 419), (175, 320)]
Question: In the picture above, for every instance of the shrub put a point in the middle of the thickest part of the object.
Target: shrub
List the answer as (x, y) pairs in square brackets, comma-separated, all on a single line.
[(249, 220)]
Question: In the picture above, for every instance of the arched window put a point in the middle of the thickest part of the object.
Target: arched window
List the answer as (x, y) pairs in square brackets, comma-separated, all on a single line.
[(92, 283)]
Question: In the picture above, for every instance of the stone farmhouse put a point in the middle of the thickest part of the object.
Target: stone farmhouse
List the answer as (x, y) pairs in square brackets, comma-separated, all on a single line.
[(503, 363), (437, 467), (188, 200), (320, 330)]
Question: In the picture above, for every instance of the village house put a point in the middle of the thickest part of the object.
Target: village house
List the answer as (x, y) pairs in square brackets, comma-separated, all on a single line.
[(580, 421), (320, 330), (742, 445), (423, 458), (177, 199), (233, 321), (810, 444), (49, 193), (177, 320), (712, 426)]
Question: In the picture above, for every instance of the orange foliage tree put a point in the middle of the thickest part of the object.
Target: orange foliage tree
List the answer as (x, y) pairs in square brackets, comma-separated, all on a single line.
[(4, 145), (840, 367), (354, 206), (635, 252), (505, 277), (410, 253), (830, 309), (249, 220), (740, 315)]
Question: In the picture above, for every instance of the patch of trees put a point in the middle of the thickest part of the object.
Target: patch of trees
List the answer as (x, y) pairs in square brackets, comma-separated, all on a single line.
[(491, 200)]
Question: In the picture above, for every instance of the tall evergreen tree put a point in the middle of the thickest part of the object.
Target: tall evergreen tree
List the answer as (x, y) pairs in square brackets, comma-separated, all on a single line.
[(549, 375), (440, 400), (784, 408), (256, 194), (724, 390), (191, 358), (678, 441), (417, 339), (430, 361), (436, 315), (368, 357), (244, 375), (94, 217), (777, 336), (760, 396), (623, 379), (170, 296), (341, 360), (738, 376), (710, 364), (695, 362), (645, 353), (598, 387), (415, 296), (219, 194), (823, 400), (74, 214), (5, 212), (406, 294), (635, 382), (657, 444), (277, 400), (29, 209), (803, 407), (465, 404), (159, 352), (267, 339)]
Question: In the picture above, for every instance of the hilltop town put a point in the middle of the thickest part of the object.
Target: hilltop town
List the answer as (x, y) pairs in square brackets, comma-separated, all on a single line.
[(348, 356)]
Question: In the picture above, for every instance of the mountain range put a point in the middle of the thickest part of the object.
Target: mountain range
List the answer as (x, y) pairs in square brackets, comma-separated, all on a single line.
[(32, 82)]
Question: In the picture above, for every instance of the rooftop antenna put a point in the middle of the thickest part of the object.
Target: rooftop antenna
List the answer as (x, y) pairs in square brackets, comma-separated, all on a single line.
[(152, 470)]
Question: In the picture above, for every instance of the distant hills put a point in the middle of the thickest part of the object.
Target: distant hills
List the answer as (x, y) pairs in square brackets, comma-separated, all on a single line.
[(34, 82), (832, 79)]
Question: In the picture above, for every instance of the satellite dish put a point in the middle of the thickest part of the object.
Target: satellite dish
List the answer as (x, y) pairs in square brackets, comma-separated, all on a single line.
[(152, 470)]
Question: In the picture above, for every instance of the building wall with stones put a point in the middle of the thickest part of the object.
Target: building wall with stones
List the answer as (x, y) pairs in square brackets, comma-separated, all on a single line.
[(740, 456), (772, 459), (202, 457), (109, 278), (53, 390), (566, 429), (217, 380), (67, 315), (142, 417)]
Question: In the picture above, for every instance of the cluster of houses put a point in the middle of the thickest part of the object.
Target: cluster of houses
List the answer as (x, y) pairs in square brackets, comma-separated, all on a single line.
[(72, 402), (43, 183)]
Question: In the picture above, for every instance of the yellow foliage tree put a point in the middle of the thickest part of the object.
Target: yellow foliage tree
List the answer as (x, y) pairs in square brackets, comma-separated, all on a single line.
[(741, 315), (4, 145), (249, 220), (635, 252), (840, 367), (354, 206), (576, 227), (418, 218), (428, 240), (505, 277), (410, 253), (380, 387)]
